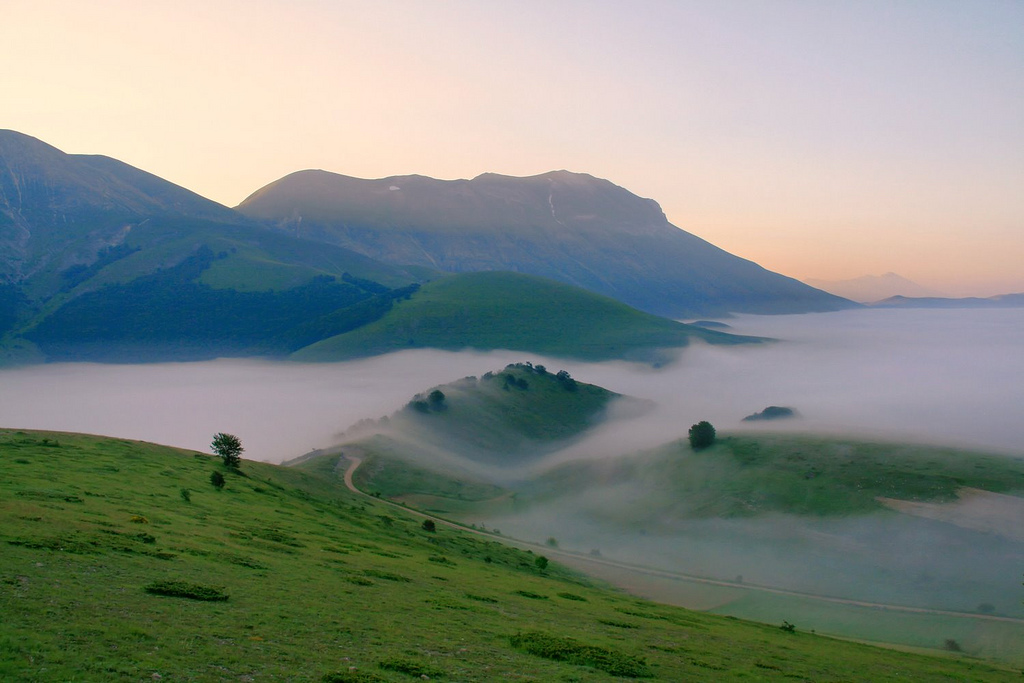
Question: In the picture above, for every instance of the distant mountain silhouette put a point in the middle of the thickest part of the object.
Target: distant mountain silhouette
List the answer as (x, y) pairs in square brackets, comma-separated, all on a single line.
[(570, 227), (870, 288), (1000, 301)]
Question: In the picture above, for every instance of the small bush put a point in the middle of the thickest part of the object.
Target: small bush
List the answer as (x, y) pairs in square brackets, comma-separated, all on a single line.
[(429, 525), (184, 589), (951, 646), (217, 479), (788, 627), (541, 562), (574, 652), (186, 495)]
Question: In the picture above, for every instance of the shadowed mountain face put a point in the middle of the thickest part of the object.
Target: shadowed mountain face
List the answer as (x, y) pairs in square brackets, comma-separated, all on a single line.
[(566, 226), (57, 209)]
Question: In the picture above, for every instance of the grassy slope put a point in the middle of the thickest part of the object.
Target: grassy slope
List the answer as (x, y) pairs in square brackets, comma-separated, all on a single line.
[(753, 474), (321, 580), (500, 310), (520, 412), (517, 410)]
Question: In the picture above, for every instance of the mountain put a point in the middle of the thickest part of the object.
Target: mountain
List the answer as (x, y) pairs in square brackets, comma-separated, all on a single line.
[(60, 209), (502, 310), (1000, 301), (570, 227), (103, 261), (869, 288)]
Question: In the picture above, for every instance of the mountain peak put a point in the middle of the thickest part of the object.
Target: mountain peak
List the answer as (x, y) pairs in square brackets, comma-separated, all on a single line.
[(568, 226)]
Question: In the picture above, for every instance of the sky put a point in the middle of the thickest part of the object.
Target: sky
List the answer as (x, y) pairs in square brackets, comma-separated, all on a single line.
[(821, 139)]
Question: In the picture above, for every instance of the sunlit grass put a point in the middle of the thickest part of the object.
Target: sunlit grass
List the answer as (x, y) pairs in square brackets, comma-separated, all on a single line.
[(319, 580)]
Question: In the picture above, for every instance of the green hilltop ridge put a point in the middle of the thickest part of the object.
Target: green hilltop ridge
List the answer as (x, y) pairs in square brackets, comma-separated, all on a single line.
[(122, 561), (504, 418), (501, 310), (514, 412), (749, 475)]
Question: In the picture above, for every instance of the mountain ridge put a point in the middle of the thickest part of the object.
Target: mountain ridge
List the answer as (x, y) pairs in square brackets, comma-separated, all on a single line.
[(567, 226)]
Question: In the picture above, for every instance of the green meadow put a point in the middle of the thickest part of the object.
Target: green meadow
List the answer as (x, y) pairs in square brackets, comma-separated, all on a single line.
[(121, 561), (501, 310)]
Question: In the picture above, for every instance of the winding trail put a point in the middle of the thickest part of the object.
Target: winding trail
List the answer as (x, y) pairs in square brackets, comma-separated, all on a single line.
[(581, 562)]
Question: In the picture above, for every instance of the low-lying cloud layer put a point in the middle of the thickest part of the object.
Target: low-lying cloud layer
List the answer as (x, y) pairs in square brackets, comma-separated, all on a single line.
[(950, 377)]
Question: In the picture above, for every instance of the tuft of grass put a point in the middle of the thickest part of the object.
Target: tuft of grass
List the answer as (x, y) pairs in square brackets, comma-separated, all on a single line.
[(352, 677), (183, 589), (530, 594), (572, 651), (409, 667)]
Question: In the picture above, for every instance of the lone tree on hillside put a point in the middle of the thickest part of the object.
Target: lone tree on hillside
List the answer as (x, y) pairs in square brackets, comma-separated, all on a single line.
[(229, 448), (702, 435)]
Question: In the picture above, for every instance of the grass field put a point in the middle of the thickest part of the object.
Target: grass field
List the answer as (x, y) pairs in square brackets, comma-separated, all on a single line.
[(321, 581), (753, 474), (500, 310)]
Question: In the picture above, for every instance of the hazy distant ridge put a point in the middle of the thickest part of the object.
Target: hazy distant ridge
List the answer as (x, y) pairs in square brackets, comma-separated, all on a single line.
[(570, 227)]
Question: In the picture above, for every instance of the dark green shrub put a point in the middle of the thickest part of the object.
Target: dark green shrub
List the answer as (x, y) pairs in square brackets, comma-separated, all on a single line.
[(541, 562), (184, 589), (186, 495), (572, 596), (702, 435), (428, 525), (217, 479)]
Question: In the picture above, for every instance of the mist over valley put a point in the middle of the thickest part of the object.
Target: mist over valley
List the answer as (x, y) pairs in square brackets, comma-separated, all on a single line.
[(948, 377)]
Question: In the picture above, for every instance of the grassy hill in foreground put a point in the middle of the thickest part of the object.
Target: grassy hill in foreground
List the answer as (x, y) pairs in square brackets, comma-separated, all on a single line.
[(502, 310), (318, 580), (932, 533)]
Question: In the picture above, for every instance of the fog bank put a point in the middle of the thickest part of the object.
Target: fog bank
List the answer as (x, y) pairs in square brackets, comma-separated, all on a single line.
[(942, 376)]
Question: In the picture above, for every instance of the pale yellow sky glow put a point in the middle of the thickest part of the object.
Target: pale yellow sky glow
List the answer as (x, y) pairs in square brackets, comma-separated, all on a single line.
[(820, 139)]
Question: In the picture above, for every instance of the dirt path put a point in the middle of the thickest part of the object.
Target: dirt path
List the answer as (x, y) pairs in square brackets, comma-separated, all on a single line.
[(582, 562)]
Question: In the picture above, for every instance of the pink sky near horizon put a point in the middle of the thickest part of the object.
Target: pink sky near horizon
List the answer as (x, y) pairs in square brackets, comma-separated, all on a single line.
[(820, 139)]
